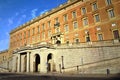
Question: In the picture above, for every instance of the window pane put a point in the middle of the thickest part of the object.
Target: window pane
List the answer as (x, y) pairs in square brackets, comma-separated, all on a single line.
[(100, 37), (108, 2), (85, 22), (83, 11), (74, 14), (97, 19), (111, 13), (75, 25), (116, 34), (94, 6)]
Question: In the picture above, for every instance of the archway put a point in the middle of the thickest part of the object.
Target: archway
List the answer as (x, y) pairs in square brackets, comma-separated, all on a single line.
[(37, 62), (25, 65), (50, 63)]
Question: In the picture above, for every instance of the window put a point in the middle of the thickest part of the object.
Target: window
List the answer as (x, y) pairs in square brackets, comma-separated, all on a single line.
[(77, 41), (33, 31), (21, 36), (75, 25), (24, 34), (56, 20), (109, 2), (65, 17), (94, 6), (116, 34), (67, 42), (74, 14), (97, 18), (57, 30), (87, 39), (85, 22), (28, 33), (49, 33), (43, 35), (49, 24), (100, 37), (66, 28), (83, 10), (38, 29), (43, 26), (111, 13)]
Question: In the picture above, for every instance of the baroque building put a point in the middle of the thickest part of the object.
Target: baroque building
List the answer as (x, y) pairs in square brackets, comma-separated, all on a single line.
[(78, 36)]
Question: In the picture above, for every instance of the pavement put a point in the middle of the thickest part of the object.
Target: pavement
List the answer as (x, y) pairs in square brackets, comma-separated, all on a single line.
[(54, 76)]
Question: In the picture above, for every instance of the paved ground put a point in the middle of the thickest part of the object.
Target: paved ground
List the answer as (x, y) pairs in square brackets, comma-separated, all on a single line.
[(14, 76)]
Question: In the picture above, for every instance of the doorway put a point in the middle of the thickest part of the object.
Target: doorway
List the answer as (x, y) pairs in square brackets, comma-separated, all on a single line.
[(37, 62)]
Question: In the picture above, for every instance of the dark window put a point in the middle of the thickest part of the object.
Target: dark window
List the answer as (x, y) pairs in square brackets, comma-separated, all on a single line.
[(116, 34)]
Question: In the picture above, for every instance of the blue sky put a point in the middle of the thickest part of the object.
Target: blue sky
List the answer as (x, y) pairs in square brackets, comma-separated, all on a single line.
[(13, 13)]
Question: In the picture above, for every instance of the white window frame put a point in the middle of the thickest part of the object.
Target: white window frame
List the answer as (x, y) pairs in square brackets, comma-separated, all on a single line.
[(85, 21), (83, 10), (111, 15), (75, 25)]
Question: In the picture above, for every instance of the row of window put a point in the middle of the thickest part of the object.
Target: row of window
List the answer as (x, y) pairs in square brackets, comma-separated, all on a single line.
[(75, 24)]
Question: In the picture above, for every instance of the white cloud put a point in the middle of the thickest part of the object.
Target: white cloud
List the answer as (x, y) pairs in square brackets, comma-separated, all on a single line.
[(23, 16), (16, 14), (10, 21), (33, 13), (43, 11)]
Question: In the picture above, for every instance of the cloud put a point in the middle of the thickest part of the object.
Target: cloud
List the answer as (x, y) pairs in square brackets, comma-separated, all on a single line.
[(10, 21), (23, 16), (33, 13), (43, 11), (16, 14)]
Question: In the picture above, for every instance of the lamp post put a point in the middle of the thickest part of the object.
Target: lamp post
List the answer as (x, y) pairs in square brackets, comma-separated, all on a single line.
[(62, 62)]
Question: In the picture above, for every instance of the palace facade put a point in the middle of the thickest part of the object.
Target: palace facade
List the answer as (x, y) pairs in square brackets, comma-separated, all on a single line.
[(78, 36)]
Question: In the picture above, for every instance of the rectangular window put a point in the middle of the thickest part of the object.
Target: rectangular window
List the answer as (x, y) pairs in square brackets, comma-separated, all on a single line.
[(94, 5), (38, 29), (43, 35), (24, 34), (66, 28), (97, 18), (116, 34), (87, 39), (77, 41), (75, 25), (57, 30), (109, 2), (49, 33), (85, 22), (111, 13), (100, 37), (65, 17), (56, 20), (74, 14), (33, 32), (21, 36), (28, 33), (83, 10), (43, 26), (49, 24)]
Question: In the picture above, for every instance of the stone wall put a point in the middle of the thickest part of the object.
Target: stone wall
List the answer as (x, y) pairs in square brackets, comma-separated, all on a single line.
[(82, 58)]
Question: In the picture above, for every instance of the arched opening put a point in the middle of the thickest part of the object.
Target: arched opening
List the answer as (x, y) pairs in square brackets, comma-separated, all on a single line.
[(49, 59), (50, 63), (25, 61), (37, 62), (16, 64)]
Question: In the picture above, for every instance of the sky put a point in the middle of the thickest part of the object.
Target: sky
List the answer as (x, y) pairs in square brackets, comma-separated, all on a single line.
[(14, 13)]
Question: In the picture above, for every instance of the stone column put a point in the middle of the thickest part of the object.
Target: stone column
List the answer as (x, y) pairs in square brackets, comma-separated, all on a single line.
[(28, 61), (19, 63)]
